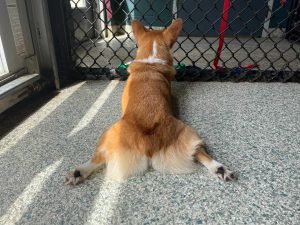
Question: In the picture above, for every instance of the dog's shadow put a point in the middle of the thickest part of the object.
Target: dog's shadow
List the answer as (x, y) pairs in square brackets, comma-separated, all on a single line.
[(178, 95), (178, 92), (175, 105)]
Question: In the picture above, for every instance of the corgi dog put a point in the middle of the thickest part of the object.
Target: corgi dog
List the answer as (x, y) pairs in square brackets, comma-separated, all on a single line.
[(148, 134)]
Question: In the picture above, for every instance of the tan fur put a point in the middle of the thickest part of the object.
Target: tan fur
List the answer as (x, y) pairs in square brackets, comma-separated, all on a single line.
[(147, 132)]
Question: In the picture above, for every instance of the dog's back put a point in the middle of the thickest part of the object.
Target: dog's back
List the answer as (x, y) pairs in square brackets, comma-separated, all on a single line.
[(148, 133), (146, 100), (147, 107)]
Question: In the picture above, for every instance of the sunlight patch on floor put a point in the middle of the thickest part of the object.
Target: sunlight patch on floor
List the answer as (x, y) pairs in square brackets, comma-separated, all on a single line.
[(91, 113), (105, 203), (29, 124), (19, 207)]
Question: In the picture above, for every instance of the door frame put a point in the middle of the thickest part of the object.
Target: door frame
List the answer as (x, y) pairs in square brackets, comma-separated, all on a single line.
[(41, 72), (15, 63)]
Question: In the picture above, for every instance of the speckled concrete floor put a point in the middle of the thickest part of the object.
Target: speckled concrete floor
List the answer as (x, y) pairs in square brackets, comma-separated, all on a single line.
[(252, 128)]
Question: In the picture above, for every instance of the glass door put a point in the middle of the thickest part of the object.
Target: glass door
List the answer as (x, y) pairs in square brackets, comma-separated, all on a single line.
[(15, 39)]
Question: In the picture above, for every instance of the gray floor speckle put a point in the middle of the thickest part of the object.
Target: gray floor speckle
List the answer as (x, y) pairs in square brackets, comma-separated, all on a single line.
[(253, 128)]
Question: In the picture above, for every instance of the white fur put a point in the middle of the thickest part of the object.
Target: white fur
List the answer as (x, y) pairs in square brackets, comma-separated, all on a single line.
[(178, 158), (212, 166), (153, 57), (125, 163), (87, 168)]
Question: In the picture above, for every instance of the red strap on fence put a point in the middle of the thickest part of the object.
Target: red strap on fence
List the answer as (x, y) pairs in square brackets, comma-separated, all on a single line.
[(109, 11), (223, 27), (283, 2)]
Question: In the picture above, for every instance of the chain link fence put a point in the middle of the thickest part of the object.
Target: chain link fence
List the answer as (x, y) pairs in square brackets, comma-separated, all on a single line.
[(229, 40)]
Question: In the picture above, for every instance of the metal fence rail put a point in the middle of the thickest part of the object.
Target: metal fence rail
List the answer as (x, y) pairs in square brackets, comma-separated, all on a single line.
[(262, 37)]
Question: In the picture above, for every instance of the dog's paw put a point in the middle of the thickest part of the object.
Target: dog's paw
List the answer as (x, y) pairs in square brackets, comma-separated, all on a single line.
[(223, 173), (220, 170), (74, 177)]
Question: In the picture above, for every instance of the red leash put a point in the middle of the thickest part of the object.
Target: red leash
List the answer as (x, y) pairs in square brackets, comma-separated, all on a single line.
[(223, 27)]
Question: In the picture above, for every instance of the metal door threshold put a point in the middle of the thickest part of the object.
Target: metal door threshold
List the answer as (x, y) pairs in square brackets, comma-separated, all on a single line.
[(16, 90)]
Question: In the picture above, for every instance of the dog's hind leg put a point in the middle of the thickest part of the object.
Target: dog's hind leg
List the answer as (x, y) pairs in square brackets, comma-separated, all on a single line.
[(123, 158), (203, 157), (181, 155), (212, 165), (83, 171), (113, 149)]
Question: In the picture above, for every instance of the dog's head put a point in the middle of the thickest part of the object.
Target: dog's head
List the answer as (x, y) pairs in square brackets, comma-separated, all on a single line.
[(154, 45)]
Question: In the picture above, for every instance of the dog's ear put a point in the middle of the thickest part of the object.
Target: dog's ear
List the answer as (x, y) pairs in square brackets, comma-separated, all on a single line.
[(138, 30), (172, 32)]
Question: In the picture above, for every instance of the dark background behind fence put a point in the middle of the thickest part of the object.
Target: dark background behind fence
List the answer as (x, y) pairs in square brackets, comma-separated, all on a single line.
[(263, 34)]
